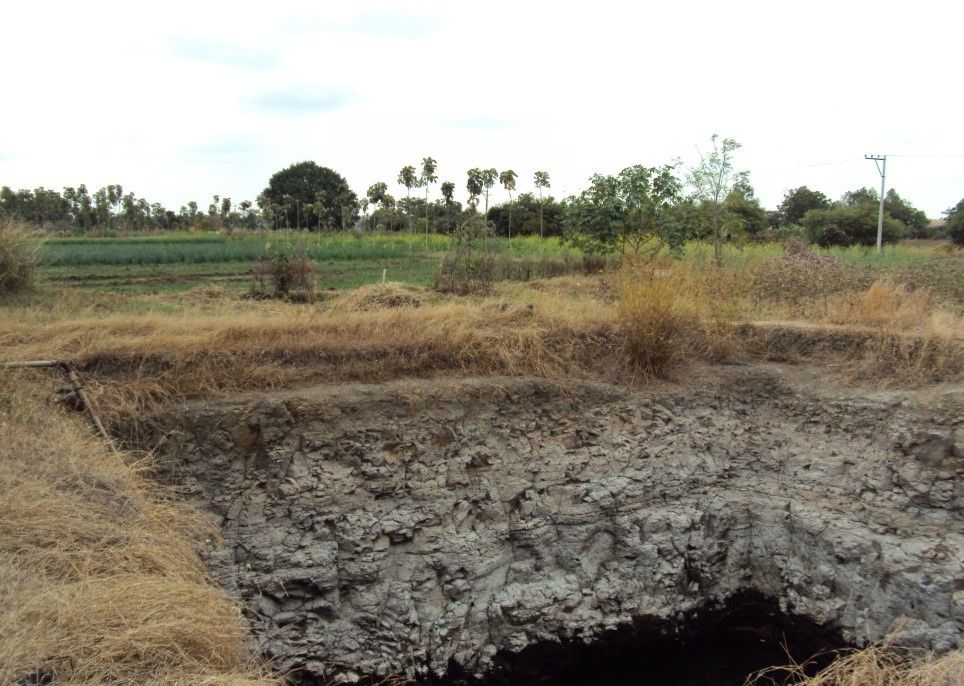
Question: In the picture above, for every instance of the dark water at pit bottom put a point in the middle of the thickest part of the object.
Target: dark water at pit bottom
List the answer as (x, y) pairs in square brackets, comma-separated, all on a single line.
[(715, 646)]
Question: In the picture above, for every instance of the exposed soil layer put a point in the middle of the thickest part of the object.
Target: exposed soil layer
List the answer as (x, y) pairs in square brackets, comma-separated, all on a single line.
[(436, 528)]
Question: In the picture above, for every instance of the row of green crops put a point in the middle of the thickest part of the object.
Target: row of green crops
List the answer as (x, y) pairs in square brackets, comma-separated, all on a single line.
[(202, 248), (210, 248)]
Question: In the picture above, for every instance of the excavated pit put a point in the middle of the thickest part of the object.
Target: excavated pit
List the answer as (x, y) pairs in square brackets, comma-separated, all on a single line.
[(511, 531)]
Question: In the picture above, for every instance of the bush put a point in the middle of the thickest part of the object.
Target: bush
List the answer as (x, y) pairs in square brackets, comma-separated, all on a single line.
[(19, 252), (470, 267), (955, 224), (847, 226), (287, 273)]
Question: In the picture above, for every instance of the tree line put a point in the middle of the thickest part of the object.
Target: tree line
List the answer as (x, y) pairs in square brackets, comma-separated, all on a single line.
[(640, 208), (110, 208)]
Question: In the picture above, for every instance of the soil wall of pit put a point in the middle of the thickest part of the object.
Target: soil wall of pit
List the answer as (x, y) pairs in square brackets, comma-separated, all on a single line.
[(421, 527)]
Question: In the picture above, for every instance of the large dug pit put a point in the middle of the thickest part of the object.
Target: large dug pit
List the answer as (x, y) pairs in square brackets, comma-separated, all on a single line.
[(512, 531)]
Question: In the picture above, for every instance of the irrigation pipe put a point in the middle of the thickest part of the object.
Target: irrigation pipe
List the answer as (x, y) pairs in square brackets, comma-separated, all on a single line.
[(77, 387)]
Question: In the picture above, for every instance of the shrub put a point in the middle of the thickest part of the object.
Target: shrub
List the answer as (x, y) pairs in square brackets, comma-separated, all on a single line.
[(470, 266), (287, 273), (19, 251), (847, 226), (955, 223)]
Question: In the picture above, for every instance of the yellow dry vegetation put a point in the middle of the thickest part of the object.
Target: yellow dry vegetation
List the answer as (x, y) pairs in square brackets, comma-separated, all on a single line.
[(876, 665), (98, 579)]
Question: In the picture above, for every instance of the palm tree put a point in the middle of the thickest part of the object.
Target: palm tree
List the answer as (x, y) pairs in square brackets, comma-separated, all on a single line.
[(407, 178), (541, 181), (507, 179), (427, 178)]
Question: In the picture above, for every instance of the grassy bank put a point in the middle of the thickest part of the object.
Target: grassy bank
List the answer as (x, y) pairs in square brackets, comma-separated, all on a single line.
[(98, 579)]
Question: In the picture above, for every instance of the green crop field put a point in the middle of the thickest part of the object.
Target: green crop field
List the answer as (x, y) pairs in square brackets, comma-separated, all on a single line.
[(178, 261)]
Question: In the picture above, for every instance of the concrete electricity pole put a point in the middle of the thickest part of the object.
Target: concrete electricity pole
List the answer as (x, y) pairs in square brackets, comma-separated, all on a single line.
[(881, 162)]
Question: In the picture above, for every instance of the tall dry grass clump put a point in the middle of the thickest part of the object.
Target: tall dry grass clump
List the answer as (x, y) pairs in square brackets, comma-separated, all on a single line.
[(19, 255), (877, 665), (98, 579), (671, 310), (913, 337)]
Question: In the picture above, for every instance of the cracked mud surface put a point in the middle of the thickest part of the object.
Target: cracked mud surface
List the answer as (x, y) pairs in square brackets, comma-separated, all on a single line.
[(408, 527)]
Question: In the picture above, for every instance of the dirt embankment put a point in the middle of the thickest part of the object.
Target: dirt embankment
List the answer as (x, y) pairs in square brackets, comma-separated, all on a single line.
[(411, 527)]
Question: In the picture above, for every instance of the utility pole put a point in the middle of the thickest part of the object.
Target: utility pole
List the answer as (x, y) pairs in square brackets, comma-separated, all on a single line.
[(881, 162)]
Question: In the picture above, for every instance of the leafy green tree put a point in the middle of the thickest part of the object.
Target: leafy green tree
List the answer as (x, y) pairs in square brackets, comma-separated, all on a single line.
[(541, 179), (630, 213), (847, 225), (798, 201), (955, 223), (861, 196), (712, 180), (426, 179), (475, 186), (507, 179), (377, 194), (408, 178), (488, 177), (293, 192), (743, 214), (448, 191), (530, 216), (908, 215)]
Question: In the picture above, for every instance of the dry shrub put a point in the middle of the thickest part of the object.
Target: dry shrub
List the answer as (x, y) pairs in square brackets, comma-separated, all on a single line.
[(873, 666), (669, 310), (98, 579), (19, 254), (287, 274)]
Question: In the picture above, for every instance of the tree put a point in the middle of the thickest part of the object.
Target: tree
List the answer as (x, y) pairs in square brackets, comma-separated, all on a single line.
[(541, 179), (742, 213), (475, 186), (629, 213), (376, 195), (955, 223), (294, 191), (488, 177), (530, 216), (798, 201), (427, 178), (908, 215), (407, 178), (448, 191), (507, 179), (712, 181), (847, 225)]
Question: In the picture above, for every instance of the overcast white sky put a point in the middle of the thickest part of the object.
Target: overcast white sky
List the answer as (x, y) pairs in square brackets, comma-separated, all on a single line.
[(180, 100)]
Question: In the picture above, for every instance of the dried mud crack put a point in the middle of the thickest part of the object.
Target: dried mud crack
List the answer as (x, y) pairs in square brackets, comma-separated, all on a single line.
[(457, 530)]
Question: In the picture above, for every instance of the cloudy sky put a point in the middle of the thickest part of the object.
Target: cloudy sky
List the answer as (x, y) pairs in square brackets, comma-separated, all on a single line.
[(180, 100)]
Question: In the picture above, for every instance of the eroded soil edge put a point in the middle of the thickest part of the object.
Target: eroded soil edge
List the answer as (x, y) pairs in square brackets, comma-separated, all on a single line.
[(428, 525)]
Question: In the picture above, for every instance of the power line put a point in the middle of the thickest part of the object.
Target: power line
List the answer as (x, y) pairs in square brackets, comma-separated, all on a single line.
[(815, 164), (948, 157)]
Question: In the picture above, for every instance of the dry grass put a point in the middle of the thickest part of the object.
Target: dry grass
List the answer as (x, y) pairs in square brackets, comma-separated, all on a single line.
[(931, 352), (19, 252), (873, 666), (669, 312), (135, 361), (380, 296), (98, 579), (201, 344)]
